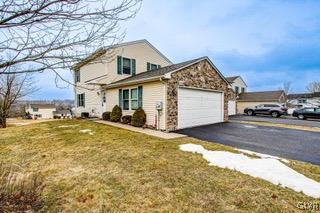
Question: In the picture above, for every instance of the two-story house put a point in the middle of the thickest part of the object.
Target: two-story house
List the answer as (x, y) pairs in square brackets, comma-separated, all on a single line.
[(136, 74), (239, 86)]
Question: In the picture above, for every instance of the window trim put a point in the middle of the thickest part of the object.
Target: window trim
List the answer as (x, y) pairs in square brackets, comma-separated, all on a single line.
[(130, 65), (123, 99), (130, 98), (77, 76), (81, 100), (149, 66), (236, 90), (137, 98)]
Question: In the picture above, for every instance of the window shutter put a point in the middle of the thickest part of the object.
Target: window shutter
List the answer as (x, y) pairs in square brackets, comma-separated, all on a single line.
[(133, 66), (84, 99), (119, 62), (120, 98), (140, 93), (148, 66)]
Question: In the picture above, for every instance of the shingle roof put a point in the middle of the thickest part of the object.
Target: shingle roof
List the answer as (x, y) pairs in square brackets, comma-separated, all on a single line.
[(153, 74), (43, 106), (261, 96), (232, 78), (304, 95)]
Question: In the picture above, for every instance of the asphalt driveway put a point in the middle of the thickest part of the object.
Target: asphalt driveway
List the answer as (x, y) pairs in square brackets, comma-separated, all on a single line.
[(286, 143), (281, 120)]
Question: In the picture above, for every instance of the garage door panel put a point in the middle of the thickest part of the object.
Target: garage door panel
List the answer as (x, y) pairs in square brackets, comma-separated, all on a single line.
[(199, 107)]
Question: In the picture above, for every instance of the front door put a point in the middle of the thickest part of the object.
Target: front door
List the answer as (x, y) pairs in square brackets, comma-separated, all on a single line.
[(104, 101)]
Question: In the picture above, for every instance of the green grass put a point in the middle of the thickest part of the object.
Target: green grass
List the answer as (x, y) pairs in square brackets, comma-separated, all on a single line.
[(119, 170)]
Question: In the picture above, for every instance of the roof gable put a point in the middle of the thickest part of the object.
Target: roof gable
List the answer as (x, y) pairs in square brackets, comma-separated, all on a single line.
[(100, 52), (232, 79)]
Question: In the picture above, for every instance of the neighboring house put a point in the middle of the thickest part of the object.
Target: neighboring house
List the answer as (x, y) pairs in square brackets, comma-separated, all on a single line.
[(304, 99), (252, 99), (239, 86), (62, 114), (44, 111), (174, 96)]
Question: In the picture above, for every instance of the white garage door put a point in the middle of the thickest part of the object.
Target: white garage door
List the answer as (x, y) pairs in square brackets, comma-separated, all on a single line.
[(231, 107), (199, 107)]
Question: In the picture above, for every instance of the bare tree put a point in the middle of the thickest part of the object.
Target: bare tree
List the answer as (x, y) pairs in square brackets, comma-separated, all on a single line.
[(286, 87), (12, 88), (314, 86), (40, 35)]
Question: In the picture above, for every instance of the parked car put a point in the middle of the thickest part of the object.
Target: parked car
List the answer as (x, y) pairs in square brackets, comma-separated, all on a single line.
[(275, 110), (308, 112)]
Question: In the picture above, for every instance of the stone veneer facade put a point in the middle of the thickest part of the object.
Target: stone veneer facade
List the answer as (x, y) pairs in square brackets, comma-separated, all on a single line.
[(200, 75)]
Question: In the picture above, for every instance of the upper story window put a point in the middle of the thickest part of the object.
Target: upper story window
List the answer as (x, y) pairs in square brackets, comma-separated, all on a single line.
[(237, 90), (243, 90), (126, 66), (151, 66), (77, 76)]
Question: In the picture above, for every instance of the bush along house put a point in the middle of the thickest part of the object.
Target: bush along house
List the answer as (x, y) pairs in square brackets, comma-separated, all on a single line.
[(173, 96)]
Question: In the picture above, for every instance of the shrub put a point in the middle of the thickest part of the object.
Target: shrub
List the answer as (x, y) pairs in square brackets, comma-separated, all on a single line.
[(139, 118), (20, 192), (106, 116), (116, 114), (85, 114), (126, 119)]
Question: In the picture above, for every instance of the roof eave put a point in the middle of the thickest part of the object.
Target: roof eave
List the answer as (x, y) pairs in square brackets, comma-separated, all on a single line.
[(130, 83)]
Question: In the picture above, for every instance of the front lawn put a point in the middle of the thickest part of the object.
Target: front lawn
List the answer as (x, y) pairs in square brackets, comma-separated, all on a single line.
[(110, 169)]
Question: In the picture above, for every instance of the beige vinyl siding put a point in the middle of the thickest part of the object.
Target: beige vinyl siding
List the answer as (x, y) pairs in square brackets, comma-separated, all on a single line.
[(152, 92), (242, 105), (141, 52), (93, 100), (239, 83)]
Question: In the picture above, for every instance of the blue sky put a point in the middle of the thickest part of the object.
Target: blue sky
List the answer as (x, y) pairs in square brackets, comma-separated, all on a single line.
[(266, 42)]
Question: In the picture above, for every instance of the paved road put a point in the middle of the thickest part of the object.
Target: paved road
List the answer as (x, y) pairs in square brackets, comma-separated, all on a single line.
[(292, 121), (286, 143)]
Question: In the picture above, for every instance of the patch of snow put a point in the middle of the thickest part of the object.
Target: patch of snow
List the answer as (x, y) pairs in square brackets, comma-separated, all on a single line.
[(249, 126), (68, 126), (89, 131), (269, 169), (85, 130), (265, 156)]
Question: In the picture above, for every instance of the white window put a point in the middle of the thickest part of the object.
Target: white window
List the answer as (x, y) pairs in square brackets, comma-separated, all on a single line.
[(151, 66), (130, 99), (134, 99), (77, 76), (81, 100), (126, 66), (126, 99)]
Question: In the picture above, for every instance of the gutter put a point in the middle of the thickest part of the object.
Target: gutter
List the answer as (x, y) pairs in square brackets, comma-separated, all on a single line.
[(132, 82)]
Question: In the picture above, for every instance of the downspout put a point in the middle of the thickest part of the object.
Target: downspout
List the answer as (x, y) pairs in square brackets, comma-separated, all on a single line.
[(164, 104)]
